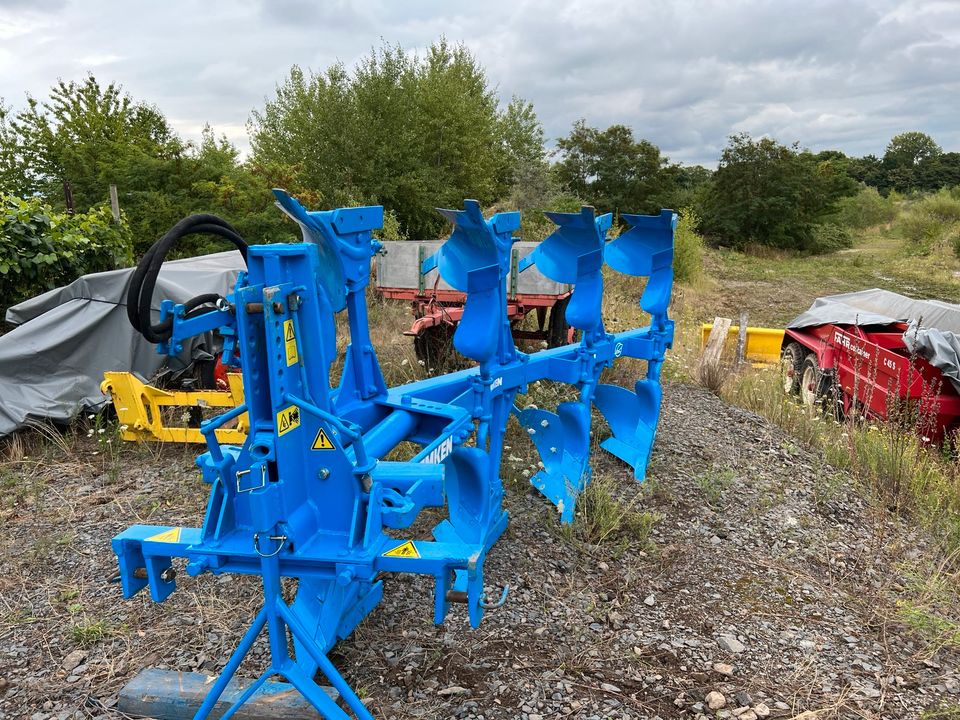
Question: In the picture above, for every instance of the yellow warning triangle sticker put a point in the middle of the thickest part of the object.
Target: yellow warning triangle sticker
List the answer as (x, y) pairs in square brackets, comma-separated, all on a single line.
[(406, 550), (171, 535), (321, 441), (289, 330)]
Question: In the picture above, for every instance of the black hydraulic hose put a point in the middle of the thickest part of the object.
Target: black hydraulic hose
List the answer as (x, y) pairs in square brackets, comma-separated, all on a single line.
[(144, 280)]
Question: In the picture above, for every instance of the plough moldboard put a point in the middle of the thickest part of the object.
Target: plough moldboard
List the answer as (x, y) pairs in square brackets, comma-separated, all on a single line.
[(308, 495)]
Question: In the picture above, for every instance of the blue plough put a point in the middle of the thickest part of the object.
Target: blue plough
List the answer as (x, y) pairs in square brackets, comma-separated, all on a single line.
[(308, 496)]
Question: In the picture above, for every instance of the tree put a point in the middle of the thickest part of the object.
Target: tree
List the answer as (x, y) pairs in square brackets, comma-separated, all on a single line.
[(910, 149), (907, 160), (868, 170), (770, 194), (521, 138), (402, 130), (92, 136), (11, 166), (940, 171), (692, 183), (615, 172)]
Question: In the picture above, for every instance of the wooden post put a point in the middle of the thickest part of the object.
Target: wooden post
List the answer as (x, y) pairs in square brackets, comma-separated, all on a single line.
[(742, 338), (718, 336), (114, 203)]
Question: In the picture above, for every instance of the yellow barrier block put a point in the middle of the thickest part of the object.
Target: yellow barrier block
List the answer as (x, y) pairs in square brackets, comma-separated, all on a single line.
[(763, 344), (141, 409)]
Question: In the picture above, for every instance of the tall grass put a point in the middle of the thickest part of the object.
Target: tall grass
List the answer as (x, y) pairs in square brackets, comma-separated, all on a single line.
[(867, 208), (687, 248), (931, 223), (901, 471)]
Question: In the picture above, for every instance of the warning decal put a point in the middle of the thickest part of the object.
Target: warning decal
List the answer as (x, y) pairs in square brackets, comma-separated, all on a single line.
[(288, 419), (407, 550), (322, 441), (290, 343), (171, 535)]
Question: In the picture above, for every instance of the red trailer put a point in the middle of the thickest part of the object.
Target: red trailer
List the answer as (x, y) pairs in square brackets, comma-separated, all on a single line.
[(858, 354), (437, 308)]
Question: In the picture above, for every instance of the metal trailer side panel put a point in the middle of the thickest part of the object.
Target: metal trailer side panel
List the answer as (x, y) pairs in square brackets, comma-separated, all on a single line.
[(398, 267)]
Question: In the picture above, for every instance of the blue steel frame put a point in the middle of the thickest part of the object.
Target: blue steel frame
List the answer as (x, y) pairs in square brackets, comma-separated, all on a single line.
[(308, 495)]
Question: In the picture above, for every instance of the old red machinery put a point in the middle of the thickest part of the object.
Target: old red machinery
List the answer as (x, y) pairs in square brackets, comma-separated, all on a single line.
[(406, 271), (869, 370)]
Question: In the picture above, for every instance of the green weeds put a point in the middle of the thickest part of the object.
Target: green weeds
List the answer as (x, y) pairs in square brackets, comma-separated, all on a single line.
[(714, 483)]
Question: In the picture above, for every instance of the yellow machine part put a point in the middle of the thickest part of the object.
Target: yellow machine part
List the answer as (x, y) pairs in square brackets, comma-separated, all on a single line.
[(140, 409), (763, 344)]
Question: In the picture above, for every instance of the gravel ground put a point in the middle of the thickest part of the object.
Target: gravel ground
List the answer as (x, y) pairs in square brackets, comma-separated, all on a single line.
[(767, 586)]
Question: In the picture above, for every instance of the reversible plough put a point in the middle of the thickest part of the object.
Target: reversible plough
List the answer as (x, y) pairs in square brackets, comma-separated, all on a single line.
[(308, 495)]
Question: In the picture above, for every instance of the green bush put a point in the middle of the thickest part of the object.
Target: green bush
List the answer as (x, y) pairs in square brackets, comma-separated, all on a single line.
[(391, 230), (865, 209), (953, 240), (931, 221), (687, 248), (921, 228), (827, 238), (943, 205), (41, 249)]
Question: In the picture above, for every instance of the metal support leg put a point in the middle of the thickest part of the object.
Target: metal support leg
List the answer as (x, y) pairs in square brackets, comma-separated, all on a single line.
[(246, 642)]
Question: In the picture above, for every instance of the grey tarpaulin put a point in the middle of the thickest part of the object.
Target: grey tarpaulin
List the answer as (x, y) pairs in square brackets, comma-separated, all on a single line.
[(879, 307), (52, 363), (934, 332), (940, 347)]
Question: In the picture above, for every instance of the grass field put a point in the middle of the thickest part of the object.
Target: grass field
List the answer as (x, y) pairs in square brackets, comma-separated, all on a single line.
[(775, 287)]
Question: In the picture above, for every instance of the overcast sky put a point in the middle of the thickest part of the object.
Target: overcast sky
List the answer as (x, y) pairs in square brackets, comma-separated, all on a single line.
[(684, 75)]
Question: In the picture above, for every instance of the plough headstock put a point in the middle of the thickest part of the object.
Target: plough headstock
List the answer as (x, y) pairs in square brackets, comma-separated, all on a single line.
[(308, 495)]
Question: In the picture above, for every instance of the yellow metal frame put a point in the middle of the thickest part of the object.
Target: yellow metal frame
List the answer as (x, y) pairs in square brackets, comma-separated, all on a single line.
[(763, 344), (139, 409)]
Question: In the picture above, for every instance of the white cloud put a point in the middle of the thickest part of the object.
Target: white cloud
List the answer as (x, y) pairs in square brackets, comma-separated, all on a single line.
[(684, 74), (95, 61)]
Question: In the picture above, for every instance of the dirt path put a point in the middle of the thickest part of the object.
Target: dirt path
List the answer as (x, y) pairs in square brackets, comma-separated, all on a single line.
[(765, 578)]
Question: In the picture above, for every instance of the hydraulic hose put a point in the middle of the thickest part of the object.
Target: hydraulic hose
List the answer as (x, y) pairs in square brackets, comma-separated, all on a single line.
[(144, 281)]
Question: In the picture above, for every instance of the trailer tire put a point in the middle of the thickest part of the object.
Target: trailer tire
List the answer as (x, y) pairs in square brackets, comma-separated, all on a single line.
[(817, 388), (833, 398), (791, 367)]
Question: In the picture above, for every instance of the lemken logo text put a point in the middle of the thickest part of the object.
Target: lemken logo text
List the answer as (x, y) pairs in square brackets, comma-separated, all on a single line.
[(439, 453)]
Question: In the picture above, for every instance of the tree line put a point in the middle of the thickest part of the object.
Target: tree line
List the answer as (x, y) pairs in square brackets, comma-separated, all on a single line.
[(410, 132)]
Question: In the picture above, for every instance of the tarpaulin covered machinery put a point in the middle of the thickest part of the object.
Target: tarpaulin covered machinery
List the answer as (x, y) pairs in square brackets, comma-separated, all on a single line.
[(52, 363), (308, 494), (878, 353)]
